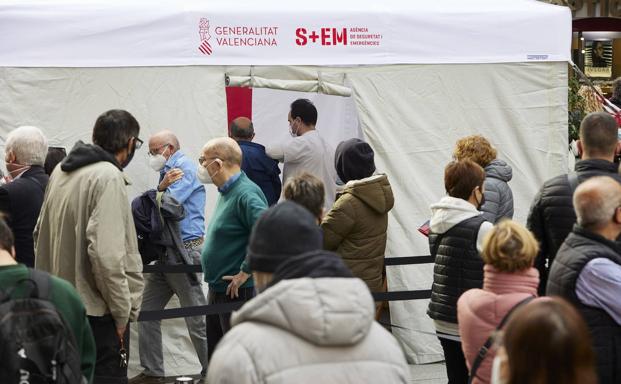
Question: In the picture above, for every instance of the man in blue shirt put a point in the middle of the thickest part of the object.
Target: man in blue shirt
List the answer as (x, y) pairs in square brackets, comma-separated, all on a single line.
[(177, 178), (260, 168)]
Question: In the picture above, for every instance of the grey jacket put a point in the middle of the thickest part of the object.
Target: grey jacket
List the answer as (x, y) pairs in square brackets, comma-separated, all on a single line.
[(308, 331), (498, 195)]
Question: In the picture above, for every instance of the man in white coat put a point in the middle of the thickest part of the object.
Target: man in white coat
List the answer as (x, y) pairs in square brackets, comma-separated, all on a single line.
[(308, 151), (312, 321)]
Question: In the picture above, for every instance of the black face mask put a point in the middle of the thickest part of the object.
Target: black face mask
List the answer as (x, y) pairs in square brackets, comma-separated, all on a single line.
[(130, 155), (480, 203)]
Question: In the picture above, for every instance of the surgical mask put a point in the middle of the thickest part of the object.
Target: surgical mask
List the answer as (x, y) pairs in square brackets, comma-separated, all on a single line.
[(157, 162), (496, 377), (292, 132), (16, 169)]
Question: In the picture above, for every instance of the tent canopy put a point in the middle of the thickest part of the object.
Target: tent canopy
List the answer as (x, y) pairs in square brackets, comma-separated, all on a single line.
[(117, 33)]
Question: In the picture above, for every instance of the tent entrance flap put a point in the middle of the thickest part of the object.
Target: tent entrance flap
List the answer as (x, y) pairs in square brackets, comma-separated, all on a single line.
[(318, 85)]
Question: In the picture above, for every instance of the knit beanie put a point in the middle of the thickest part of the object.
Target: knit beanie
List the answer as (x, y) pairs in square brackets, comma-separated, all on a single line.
[(286, 229), (354, 160)]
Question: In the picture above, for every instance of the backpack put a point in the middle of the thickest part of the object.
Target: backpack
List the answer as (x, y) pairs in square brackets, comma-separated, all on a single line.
[(36, 344)]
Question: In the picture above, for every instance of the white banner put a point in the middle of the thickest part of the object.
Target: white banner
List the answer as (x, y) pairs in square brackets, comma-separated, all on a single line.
[(96, 33)]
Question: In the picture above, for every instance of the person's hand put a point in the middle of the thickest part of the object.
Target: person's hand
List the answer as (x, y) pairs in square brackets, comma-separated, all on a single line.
[(235, 282), (170, 177), (120, 331)]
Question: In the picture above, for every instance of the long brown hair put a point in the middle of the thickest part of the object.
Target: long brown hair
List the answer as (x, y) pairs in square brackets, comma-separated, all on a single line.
[(548, 342)]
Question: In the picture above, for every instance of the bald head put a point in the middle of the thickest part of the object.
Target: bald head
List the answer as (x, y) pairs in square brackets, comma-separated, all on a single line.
[(596, 202), (241, 129), (225, 149), (162, 139)]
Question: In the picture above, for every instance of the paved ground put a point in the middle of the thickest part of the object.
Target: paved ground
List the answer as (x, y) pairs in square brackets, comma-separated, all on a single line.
[(421, 374)]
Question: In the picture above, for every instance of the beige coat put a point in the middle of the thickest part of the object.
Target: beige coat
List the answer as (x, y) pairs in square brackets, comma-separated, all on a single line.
[(308, 331), (356, 226), (86, 235)]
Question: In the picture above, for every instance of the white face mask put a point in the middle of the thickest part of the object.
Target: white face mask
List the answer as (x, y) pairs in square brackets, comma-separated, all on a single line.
[(203, 174), (157, 162), (292, 132), (496, 371)]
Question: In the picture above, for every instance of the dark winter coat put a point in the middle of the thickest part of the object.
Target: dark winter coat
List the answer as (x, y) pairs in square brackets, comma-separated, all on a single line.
[(261, 169), (579, 248), (158, 229), (20, 201), (552, 215)]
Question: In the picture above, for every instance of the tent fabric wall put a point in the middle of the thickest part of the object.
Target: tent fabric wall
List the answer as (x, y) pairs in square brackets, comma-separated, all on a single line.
[(411, 115)]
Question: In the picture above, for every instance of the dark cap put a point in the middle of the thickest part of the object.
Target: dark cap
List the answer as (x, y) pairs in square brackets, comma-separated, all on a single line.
[(354, 160), (284, 230)]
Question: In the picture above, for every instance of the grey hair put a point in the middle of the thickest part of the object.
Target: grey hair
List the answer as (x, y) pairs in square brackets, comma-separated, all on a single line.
[(595, 201), (28, 144)]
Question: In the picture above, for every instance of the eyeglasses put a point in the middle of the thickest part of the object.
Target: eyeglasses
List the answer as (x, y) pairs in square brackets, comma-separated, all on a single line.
[(155, 152), (138, 142), (203, 159)]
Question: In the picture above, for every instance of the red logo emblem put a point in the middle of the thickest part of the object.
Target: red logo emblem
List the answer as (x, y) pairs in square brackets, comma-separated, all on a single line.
[(203, 32)]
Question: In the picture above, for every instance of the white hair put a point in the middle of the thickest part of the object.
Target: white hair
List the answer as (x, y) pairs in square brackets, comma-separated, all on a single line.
[(28, 144), (595, 201)]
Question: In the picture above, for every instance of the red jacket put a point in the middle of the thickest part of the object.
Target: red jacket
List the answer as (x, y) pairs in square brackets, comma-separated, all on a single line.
[(479, 311)]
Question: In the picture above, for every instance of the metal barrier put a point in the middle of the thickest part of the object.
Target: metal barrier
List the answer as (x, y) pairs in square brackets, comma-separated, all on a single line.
[(214, 309)]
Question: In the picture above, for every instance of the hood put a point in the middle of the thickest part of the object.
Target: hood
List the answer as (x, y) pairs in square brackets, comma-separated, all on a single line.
[(450, 211), (311, 264), (324, 311), (499, 169), (374, 191), (85, 154)]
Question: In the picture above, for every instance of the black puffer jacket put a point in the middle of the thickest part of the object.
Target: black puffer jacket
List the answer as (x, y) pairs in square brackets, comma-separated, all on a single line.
[(498, 195), (552, 215), (458, 267), (579, 248)]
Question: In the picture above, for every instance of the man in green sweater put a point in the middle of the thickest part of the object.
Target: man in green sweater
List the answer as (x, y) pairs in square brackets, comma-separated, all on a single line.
[(239, 205), (62, 295)]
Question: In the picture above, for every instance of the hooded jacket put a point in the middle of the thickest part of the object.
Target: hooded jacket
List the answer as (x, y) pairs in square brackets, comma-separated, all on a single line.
[(308, 331), (85, 234), (498, 195), (479, 311), (355, 227), (456, 238)]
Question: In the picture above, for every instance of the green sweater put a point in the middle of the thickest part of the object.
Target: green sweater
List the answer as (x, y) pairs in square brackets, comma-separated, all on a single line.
[(228, 232), (68, 303)]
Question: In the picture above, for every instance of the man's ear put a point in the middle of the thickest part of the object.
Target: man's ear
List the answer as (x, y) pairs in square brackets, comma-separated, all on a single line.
[(618, 150), (12, 252), (579, 146), (10, 157)]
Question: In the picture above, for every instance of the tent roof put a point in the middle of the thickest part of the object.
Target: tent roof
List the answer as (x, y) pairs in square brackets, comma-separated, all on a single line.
[(101, 33)]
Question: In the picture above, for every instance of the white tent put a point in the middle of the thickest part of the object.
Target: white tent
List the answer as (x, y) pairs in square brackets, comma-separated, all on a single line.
[(422, 74)]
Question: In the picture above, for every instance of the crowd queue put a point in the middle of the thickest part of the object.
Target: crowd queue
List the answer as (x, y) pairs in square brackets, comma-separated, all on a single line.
[(510, 303)]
